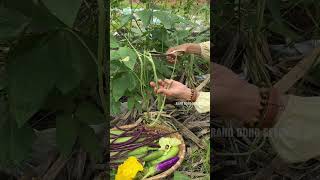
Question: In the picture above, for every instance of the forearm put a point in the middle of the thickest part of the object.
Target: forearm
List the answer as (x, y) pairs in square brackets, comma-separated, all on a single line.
[(201, 49), (193, 48)]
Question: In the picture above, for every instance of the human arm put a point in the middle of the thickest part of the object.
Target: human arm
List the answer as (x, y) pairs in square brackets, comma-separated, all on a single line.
[(201, 49), (180, 91)]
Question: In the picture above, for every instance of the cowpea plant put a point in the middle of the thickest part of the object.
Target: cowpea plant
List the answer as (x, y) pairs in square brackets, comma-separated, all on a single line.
[(135, 31), (52, 73)]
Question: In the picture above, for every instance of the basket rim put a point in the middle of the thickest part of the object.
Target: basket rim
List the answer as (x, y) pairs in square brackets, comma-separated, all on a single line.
[(181, 154)]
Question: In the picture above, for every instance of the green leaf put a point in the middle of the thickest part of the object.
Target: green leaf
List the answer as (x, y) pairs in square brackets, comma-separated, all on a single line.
[(132, 81), (41, 18), (15, 143), (66, 11), (73, 60), (12, 23), (131, 102), (89, 141), (32, 75), (113, 42), (164, 18), (114, 55), (129, 57), (160, 34), (179, 176), (125, 19), (89, 113), (116, 67), (66, 133), (145, 16), (115, 107), (181, 34), (119, 87)]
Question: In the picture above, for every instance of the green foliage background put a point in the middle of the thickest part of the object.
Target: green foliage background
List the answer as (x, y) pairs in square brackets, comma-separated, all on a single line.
[(50, 70)]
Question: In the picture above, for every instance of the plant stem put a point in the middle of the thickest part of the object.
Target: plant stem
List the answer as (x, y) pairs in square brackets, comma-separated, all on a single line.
[(165, 97), (101, 55)]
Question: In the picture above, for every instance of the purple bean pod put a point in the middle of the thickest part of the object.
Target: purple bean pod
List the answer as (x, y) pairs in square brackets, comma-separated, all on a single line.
[(133, 139)]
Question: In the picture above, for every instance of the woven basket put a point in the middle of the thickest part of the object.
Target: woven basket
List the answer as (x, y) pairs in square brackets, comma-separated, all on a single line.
[(181, 153)]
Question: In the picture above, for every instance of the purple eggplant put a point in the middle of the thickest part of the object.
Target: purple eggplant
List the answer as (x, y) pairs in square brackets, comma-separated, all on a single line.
[(163, 166), (167, 164)]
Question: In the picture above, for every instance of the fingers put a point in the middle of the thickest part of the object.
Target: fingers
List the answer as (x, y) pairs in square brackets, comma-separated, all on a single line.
[(171, 57), (168, 81), (163, 87), (164, 91), (152, 84)]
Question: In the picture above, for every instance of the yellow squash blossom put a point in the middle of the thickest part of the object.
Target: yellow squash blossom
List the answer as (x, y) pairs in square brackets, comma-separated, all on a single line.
[(129, 169)]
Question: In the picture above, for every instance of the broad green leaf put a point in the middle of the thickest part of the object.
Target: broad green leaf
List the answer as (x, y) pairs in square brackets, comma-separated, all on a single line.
[(126, 52), (162, 69), (89, 113), (179, 176), (145, 16), (115, 107), (164, 17), (114, 55), (131, 102), (125, 19), (181, 34), (12, 23), (73, 60), (132, 81), (160, 34), (113, 42), (89, 141), (32, 75), (66, 11), (117, 67), (15, 143), (119, 87), (41, 18), (66, 133)]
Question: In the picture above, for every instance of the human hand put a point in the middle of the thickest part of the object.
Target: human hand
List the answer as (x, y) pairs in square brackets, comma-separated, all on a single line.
[(233, 97), (172, 88), (174, 52)]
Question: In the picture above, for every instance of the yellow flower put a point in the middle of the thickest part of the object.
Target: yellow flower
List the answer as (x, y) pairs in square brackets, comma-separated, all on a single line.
[(129, 169)]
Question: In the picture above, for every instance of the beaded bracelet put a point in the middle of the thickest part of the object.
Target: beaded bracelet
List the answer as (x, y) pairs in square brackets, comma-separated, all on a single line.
[(194, 95)]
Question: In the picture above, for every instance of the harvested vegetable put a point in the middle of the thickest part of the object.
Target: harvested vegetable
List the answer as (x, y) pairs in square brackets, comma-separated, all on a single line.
[(170, 154), (153, 155), (141, 150), (153, 148), (165, 165), (162, 166)]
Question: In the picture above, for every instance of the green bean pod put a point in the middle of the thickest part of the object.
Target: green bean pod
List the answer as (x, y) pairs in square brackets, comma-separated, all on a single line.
[(116, 132), (153, 156), (121, 139), (141, 150), (174, 150)]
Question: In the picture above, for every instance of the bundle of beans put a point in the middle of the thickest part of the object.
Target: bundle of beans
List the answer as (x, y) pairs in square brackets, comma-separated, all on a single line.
[(136, 141)]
